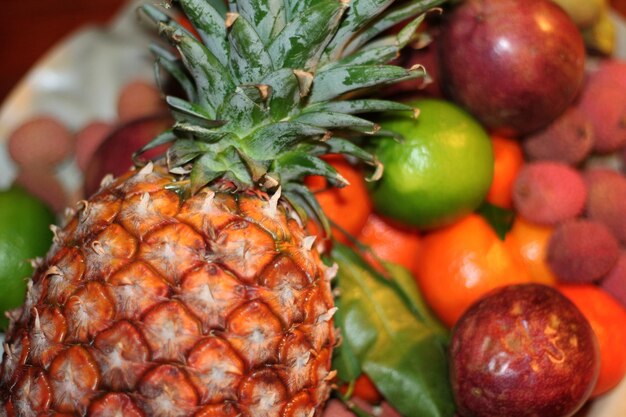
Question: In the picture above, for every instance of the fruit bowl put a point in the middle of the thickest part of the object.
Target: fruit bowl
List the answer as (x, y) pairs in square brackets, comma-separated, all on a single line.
[(76, 94)]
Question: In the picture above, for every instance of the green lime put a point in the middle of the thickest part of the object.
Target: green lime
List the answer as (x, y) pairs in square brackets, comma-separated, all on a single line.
[(440, 172), (24, 234)]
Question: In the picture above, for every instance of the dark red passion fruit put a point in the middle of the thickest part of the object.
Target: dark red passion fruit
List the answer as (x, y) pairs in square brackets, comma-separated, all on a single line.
[(515, 64), (523, 350)]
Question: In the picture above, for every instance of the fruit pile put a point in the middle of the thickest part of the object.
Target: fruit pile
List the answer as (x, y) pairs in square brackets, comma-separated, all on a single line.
[(553, 210), (484, 271)]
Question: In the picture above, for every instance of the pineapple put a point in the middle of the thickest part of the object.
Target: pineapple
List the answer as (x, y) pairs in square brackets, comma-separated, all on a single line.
[(190, 286)]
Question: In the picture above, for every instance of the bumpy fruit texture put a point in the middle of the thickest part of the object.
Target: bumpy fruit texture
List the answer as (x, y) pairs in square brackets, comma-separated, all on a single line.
[(614, 282), (567, 139), (582, 251), (606, 201), (548, 192), (190, 287), (216, 304), (602, 99)]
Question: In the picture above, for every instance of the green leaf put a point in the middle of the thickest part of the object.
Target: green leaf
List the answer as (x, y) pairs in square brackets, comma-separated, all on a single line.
[(385, 21), (382, 50), (187, 112), (174, 66), (284, 98), (249, 60), (212, 79), (271, 140), (358, 106), (295, 7), (226, 163), (408, 286), (200, 133), (499, 218), (219, 6), (301, 197), (405, 357), (209, 22), (302, 40), (360, 13), (267, 17), (335, 120), (333, 82), (342, 146), (163, 138), (378, 55), (293, 166), (242, 112), (184, 151)]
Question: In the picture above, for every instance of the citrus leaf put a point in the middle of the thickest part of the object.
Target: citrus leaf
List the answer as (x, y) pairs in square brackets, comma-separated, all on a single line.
[(407, 284), (499, 218), (405, 357)]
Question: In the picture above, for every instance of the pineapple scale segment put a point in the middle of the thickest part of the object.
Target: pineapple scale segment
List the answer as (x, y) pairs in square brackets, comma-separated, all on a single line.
[(190, 285)]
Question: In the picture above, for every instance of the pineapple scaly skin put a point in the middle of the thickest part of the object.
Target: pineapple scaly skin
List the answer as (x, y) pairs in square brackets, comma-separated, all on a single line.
[(190, 286), (148, 305)]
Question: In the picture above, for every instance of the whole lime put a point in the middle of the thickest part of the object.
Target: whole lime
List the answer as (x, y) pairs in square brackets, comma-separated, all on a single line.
[(440, 172), (24, 234)]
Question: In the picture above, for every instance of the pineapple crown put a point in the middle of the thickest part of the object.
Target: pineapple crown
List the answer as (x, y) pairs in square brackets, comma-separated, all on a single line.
[(273, 85)]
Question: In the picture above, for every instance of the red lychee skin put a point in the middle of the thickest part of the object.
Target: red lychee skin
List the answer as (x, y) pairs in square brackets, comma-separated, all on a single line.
[(568, 139), (615, 281), (602, 100), (547, 192), (611, 70), (606, 199), (523, 350), (582, 251)]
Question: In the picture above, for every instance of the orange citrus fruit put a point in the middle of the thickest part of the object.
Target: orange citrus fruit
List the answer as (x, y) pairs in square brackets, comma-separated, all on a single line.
[(460, 263), (508, 160), (608, 321), (530, 241)]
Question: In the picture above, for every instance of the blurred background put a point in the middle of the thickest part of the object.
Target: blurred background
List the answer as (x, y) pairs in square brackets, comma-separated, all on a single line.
[(31, 27)]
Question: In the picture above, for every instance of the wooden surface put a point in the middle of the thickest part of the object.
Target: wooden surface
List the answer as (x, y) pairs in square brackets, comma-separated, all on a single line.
[(30, 27)]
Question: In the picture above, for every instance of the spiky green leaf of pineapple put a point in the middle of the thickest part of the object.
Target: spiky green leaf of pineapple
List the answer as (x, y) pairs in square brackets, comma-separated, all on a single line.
[(273, 85)]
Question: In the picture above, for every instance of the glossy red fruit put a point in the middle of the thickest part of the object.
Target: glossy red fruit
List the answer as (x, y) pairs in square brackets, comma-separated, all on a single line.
[(515, 64), (114, 154), (523, 350)]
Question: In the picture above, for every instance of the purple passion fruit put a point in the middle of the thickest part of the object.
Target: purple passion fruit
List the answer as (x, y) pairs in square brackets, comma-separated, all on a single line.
[(523, 350)]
